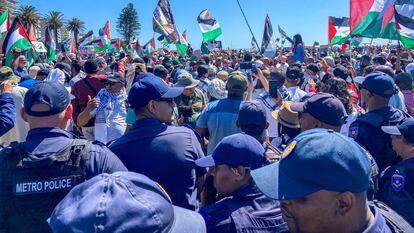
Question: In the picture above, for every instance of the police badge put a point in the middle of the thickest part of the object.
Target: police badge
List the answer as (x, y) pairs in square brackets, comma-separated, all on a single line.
[(397, 181)]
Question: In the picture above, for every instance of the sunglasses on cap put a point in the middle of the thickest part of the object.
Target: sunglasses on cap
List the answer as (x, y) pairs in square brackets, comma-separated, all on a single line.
[(111, 83), (165, 100)]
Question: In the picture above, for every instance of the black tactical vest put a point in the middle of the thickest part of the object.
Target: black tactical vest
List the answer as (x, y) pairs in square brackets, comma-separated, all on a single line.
[(33, 186)]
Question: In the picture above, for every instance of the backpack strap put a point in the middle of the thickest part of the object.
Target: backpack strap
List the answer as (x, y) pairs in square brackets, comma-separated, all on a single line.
[(393, 219), (71, 155)]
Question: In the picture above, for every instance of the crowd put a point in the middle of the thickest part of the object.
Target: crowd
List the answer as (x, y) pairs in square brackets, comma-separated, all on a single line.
[(311, 140)]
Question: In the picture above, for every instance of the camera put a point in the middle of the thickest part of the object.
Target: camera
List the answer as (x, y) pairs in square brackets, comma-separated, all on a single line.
[(275, 86), (248, 68)]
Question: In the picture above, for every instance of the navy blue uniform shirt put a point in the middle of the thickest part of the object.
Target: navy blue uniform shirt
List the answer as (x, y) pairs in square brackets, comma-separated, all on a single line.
[(396, 189), (366, 130), (166, 154), (379, 225), (7, 113), (43, 142), (247, 208)]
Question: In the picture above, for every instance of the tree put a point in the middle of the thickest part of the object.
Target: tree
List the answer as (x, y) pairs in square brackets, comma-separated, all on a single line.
[(55, 21), (28, 16), (128, 23), (75, 25)]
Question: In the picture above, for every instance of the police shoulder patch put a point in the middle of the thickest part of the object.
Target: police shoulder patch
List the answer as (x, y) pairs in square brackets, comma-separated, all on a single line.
[(289, 148), (397, 181), (353, 131)]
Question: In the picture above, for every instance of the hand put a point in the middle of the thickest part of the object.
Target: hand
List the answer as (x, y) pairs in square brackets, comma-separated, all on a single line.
[(278, 98), (258, 74), (7, 86), (250, 86), (92, 103), (180, 120)]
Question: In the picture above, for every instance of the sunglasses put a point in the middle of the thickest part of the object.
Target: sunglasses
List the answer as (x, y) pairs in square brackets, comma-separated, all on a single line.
[(111, 83), (165, 100)]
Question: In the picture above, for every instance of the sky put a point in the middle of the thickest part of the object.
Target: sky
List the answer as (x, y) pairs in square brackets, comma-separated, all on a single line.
[(307, 17)]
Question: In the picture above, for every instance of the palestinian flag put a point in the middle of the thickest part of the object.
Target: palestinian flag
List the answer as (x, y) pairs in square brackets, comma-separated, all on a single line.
[(269, 42), (209, 27), (185, 34), (104, 34), (404, 12), (4, 22), (389, 26), (182, 45), (149, 47), (283, 35), (50, 45), (115, 45), (338, 30), (86, 39), (16, 38), (163, 21), (70, 45), (204, 48), (367, 17)]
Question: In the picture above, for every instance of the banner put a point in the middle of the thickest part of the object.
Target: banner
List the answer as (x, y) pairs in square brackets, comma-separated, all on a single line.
[(86, 50)]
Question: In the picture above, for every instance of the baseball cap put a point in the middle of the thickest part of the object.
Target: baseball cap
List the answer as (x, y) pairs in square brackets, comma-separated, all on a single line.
[(122, 202), (90, 66), (405, 129), (217, 89), (6, 73), (236, 82), (342, 72), (252, 115), (378, 83), (150, 87), (404, 81), (324, 107), (236, 150), (317, 159), (186, 80), (313, 67), (294, 73), (114, 77), (52, 94)]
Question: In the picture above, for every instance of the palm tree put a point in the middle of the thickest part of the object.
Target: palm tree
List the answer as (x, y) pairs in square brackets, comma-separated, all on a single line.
[(28, 16), (75, 25), (55, 21)]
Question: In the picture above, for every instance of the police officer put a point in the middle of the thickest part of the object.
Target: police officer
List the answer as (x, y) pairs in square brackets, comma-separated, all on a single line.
[(244, 206), (157, 149), (322, 182), (7, 107), (191, 102), (36, 174), (376, 90), (397, 182)]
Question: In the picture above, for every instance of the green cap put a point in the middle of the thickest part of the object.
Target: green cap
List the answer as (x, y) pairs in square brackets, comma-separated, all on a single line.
[(6, 73), (236, 82)]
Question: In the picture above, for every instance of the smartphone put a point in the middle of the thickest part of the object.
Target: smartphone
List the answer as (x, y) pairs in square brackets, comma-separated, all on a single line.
[(62, 48), (273, 86)]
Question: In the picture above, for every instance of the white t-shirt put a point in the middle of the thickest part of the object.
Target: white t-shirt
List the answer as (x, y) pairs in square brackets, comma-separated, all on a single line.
[(282, 67), (295, 93)]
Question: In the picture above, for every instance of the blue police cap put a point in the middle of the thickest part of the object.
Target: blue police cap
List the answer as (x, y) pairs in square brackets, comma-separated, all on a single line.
[(378, 83), (236, 150), (317, 159), (122, 202), (405, 129), (252, 114), (150, 87), (324, 107), (52, 94)]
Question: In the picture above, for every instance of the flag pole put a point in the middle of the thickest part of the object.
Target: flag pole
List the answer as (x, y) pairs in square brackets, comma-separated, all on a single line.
[(248, 25)]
